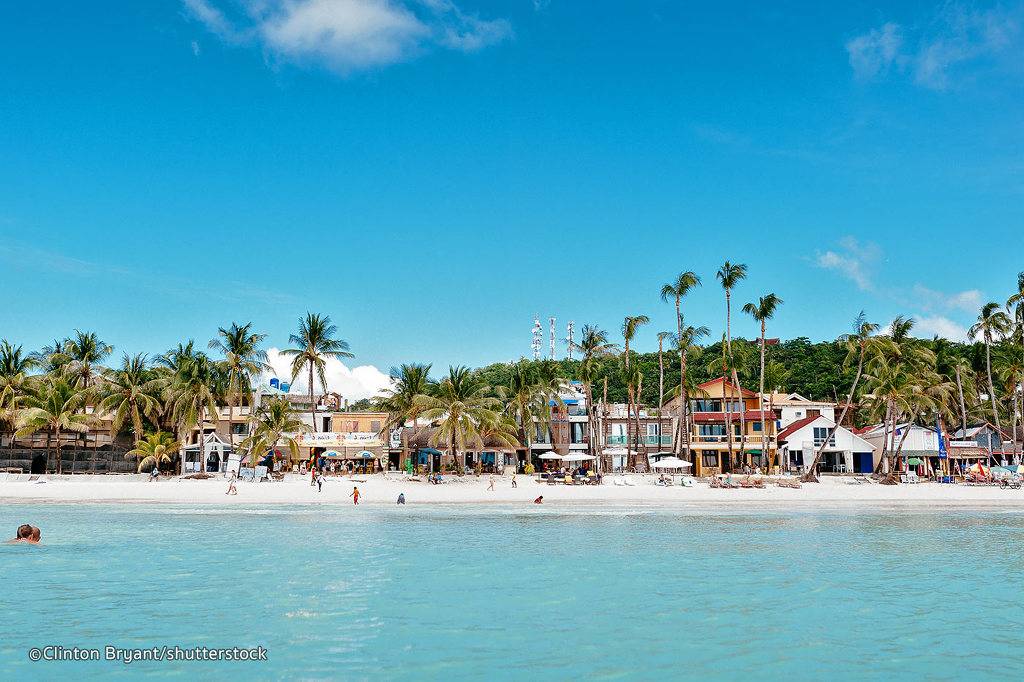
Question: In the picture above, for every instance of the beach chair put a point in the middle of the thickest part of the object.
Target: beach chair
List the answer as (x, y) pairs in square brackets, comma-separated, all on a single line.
[(686, 482)]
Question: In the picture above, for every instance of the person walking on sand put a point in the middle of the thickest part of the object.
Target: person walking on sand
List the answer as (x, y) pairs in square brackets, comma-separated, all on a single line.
[(354, 495), (312, 476), (154, 474), (232, 490), (513, 479), (490, 483), (319, 483)]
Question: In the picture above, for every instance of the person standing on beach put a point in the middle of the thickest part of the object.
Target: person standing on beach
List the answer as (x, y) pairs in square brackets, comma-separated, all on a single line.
[(354, 495), (490, 484), (319, 482), (401, 498), (513, 479), (231, 486)]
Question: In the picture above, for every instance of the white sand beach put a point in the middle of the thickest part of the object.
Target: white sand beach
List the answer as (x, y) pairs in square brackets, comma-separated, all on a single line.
[(380, 490)]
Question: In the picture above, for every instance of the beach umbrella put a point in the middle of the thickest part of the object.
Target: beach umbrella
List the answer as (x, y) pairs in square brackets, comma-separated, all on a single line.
[(331, 453), (364, 454), (914, 461), (577, 457), (550, 455), (671, 463)]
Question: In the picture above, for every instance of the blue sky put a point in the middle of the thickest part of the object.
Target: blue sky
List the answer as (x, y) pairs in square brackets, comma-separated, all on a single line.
[(433, 173)]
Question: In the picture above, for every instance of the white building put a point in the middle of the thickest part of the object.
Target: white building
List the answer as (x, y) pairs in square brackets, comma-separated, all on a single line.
[(846, 452), (920, 441), (794, 407)]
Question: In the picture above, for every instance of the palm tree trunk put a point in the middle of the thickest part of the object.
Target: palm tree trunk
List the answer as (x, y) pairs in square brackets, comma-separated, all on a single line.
[(312, 404), (760, 404), (60, 468), (202, 444), (727, 407), (991, 387), (677, 444), (963, 403), (743, 416), (661, 377), (811, 476)]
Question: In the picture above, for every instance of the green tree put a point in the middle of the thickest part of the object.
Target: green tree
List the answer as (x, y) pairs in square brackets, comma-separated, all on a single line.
[(243, 362), (675, 291), (192, 395), (86, 351), (630, 325), (274, 423), (153, 450), (460, 406), (127, 393), (763, 311), (315, 346), (408, 382), (54, 406), (593, 347), (729, 275), (992, 322)]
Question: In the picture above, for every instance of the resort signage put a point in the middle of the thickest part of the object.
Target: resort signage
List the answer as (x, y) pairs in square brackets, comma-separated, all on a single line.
[(332, 439)]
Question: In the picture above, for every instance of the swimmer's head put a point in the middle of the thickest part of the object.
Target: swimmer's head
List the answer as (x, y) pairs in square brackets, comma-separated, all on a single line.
[(36, 534), (24, 531)]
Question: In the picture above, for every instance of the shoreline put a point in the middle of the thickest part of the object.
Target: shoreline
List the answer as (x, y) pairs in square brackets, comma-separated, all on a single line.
[(377, 490)]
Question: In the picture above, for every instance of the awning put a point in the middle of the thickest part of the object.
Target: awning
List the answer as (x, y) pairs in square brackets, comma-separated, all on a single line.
[(429, 451)]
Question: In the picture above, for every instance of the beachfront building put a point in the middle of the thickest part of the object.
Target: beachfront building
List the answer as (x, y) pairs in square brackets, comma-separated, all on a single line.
[(982, 441), (719, 404), (921, 443), (421, 450), (844, 451), (622, 446), (565, 432), (793, 407)]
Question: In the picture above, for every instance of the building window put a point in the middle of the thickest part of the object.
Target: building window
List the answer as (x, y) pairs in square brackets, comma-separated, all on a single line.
[(576, 432), (375, 426), (711, 429), (709, 458), (240, 429), (757, 427), (821, 433), (653, 429)]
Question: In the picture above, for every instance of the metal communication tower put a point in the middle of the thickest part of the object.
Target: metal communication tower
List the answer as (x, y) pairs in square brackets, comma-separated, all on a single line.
[(538, 334)]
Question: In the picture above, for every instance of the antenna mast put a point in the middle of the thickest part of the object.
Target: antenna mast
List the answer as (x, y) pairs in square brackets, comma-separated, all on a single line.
[(538, 334)]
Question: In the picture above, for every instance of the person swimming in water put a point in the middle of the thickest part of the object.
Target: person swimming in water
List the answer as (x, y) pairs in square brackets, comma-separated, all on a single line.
[(24, 534), (401, 498), (36, 534), (539, 500)]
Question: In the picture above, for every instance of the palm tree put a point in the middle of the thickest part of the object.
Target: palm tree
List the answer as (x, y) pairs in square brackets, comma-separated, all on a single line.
[(460, 406), (991, 322), (688, 386), (676, 291), (52, 358), (244, 361), (153, 450), (127, 393), (526, 400), (859, 345), (192, 394), (762, 312), (730, 275), (274, 422), (630, 325), (593, 346), (316, 345), (661, 367), (86, 350), (55, 407), (14, 368), (408, 382)]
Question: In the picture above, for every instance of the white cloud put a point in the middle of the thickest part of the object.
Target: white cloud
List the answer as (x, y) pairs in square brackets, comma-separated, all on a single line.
[(968, 301), (195, 48), (926, 327), (956, 37), (853, 261), (351, 35), (355, 383), (875, 51)]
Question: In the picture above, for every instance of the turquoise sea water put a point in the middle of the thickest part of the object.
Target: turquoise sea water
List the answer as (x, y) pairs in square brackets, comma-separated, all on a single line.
[(502, 593)]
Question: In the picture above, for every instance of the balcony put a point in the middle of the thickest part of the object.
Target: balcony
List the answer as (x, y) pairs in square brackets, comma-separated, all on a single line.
[(749, 440), (644, 440)]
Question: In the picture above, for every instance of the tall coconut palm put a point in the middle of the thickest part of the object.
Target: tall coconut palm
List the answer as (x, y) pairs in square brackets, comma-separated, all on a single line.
[(662, 336), (243, 362), (192, 394), (688, 387), (461, 406), (127, 393), (729, 275), (86, 351), (593, 346), (630, 325), (315, 346), (56, 407), (859, 346), (153, 450), (763, 311), (274, 423), (408, 381), (992, 322), (675, 291)]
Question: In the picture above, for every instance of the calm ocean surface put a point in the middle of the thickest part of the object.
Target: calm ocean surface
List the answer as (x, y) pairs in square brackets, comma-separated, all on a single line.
[(501, 593)]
